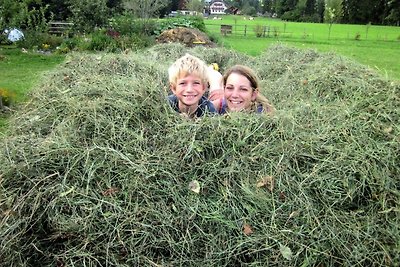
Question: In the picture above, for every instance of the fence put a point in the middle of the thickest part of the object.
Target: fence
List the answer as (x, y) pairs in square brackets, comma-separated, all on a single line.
[(60, 27), (246, 30), (281, 32)]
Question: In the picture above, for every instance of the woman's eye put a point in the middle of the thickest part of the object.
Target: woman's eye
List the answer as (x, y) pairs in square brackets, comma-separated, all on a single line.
[(244, 89), (229, 88)]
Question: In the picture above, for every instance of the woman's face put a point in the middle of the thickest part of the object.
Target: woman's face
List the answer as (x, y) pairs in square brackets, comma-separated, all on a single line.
[(238, 92)]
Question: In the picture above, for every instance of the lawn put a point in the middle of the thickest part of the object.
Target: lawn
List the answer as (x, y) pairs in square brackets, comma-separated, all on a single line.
[(20, 71), (372, 45)]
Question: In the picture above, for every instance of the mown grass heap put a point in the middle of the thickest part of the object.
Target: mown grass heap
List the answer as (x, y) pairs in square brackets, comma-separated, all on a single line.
[(97, 170)]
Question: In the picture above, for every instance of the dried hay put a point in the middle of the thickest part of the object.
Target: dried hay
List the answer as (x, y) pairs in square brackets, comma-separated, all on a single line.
[(187, 36), (97, 170)]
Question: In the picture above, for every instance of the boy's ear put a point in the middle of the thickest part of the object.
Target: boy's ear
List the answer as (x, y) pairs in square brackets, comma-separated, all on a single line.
[(172, 87)]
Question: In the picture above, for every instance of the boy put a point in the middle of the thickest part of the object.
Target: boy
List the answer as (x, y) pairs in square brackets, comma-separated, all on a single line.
[(188, 79)]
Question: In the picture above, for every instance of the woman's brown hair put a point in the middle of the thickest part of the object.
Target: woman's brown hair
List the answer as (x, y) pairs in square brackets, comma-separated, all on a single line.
[(254, 82)]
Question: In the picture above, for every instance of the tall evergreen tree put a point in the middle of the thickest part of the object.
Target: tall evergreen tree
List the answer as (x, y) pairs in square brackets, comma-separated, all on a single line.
[(285, 5), (310, 8), (362, 12), (320, 9), (393, 16)]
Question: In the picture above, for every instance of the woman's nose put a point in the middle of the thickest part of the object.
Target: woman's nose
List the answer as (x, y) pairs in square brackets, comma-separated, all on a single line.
[(235, 92)]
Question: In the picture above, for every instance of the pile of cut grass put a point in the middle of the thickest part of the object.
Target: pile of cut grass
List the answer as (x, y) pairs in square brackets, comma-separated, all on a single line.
[(97, 170)]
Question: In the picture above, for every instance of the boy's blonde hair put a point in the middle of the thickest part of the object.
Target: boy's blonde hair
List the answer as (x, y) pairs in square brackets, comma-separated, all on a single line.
[(185, 66)]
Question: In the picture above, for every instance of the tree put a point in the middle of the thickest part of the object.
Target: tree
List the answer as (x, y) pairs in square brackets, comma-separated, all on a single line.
[(285, 6), (59, 9), (333, 13), (173, 6), (195, 5), (249, 10), (182, 4), (145, 9), (267, 6), (116, 6), (29, 14), (394, 12), (89, 14), (320, 9), (366, 11), (310, 7)]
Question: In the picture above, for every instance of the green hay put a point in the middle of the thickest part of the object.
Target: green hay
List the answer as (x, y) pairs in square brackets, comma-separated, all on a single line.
[(95, 169)]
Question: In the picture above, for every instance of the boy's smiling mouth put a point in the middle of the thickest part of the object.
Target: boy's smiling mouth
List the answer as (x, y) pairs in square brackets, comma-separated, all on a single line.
[(190, 96)]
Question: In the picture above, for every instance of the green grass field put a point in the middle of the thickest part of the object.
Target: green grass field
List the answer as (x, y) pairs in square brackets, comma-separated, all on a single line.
[(20, 71), (377, 46)]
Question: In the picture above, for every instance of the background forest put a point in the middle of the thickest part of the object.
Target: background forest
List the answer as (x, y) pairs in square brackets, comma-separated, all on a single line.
[(87, 14)]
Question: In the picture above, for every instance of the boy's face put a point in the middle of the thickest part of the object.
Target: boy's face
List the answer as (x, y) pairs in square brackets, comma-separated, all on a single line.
[(189, 90)]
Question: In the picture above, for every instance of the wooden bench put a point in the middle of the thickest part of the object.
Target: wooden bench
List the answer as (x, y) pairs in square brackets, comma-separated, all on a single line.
[(225, 29), (59, 27)]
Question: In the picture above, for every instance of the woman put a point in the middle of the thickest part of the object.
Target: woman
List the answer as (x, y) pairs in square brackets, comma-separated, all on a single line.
[(241, 91)]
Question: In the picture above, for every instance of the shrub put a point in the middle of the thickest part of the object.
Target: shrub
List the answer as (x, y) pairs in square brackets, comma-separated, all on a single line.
[(7, 98), (101, 41), (214, 37), (292, 15), (125, 24), (35, 39), (68, 45), (259, 30), (186, 21), (310, 18), (87, 15), (139, 41), (275, 31), (31, 39), (4, 39)]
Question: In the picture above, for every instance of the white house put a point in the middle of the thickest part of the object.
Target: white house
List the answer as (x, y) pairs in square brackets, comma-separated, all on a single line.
[(217, 8)]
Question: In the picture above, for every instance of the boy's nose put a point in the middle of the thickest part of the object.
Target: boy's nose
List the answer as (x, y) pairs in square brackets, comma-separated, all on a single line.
[(190, 86)]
